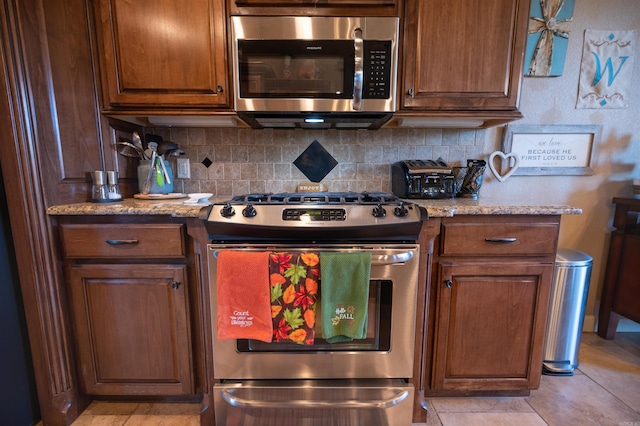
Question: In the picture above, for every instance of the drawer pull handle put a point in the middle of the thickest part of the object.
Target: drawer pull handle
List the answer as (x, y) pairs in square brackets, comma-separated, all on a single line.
[(121, 242), (500, 240)]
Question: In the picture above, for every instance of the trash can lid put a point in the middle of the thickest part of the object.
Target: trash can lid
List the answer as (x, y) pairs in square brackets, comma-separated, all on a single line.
[(570, 257)]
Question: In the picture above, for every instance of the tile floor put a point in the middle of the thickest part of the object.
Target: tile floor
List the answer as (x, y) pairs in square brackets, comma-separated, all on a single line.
[(605, 391)]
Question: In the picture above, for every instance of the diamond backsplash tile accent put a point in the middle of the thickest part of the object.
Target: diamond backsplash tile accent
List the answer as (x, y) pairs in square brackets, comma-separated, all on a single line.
[(315, 162)]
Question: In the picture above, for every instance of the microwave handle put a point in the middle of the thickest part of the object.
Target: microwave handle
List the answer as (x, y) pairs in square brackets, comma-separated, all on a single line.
[(356, 103)]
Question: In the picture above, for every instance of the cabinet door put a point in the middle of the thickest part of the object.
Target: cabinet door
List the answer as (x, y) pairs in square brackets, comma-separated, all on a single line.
[(163, 53), (132, 329), (464, 54), (490, 325)]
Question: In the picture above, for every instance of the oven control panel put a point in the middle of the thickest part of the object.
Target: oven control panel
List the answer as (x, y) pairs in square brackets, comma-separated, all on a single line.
[(312, 215)]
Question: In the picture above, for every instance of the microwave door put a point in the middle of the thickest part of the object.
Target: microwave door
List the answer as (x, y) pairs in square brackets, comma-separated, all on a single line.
[(296, 69)]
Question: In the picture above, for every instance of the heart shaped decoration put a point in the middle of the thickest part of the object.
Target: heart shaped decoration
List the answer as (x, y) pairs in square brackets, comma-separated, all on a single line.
[(504, 157)]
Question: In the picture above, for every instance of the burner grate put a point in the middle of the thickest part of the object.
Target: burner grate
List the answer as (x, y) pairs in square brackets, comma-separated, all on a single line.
[(318, 198)]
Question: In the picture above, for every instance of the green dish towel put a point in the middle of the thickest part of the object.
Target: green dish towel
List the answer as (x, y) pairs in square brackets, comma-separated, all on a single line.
[(345, 295)]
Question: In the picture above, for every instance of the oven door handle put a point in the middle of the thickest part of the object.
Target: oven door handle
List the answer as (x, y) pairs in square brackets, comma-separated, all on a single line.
[(400, 395), (390, 259)]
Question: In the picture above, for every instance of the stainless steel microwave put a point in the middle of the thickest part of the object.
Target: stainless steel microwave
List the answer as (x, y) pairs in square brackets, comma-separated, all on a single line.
[(315, 72)]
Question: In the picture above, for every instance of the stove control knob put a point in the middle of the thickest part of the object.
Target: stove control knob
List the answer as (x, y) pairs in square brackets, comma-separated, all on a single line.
[(379, 211), (249, 211), (227, 210), (401, 210)]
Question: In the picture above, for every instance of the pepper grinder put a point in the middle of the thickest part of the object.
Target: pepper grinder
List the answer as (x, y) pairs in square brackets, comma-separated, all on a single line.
[(99, 189)]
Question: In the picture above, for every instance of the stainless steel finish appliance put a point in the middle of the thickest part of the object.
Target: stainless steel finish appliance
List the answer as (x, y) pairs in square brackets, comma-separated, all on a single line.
[(315, 72), (358, 382), (422, 179)]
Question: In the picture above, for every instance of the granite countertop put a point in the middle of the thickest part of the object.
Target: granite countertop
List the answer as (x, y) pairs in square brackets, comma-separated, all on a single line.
[(436, 208)]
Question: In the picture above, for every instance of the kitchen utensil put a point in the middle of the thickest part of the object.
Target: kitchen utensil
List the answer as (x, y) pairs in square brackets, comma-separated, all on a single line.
[(167, 178), (130, 150), (166, 146), (138, 142), (147, 183)]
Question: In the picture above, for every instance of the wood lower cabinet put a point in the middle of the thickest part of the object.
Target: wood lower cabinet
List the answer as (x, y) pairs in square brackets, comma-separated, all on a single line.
[(162, 54), (464, 58), (128, 286), (132, 329), (489, 297), (490, 325)]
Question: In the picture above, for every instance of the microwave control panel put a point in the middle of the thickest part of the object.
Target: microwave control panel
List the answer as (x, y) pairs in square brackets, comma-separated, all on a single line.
[(377, 69)]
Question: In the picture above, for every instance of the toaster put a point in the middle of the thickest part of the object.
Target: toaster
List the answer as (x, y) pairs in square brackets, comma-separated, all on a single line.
[(422, 179)]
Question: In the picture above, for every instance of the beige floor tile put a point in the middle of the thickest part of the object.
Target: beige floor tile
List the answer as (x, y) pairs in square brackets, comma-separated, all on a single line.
[(482, 405), (160, 420), (432, 415), (167, 409), (491, 419), (578, 400), (629, 342), (102, 408), (615, 369)]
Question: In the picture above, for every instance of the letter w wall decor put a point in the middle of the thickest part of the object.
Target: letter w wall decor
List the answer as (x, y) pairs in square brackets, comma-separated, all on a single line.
[(606, 69)]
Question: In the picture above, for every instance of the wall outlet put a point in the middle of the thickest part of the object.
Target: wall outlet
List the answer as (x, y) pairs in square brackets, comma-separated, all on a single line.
[(184, 168)]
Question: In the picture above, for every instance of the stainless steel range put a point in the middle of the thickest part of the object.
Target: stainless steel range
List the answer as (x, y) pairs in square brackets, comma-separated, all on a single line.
[(321, 381)]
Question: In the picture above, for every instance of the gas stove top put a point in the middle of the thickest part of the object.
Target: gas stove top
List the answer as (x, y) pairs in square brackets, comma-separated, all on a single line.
[(315, 216), (318, 198)]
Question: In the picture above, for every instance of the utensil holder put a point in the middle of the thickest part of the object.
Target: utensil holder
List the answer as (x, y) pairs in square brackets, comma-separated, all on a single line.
[(156, 188), (472, 182)]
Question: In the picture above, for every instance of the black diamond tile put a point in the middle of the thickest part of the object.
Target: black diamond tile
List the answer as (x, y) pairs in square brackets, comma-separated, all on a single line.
[(315, 162), (207, 162)]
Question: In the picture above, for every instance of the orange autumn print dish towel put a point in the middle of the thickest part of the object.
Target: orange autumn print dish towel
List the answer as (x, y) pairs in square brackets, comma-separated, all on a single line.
[(294, 292), (243, 296)]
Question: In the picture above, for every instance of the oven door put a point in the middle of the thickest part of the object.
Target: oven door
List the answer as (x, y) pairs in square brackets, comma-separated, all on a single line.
[(386, 352)]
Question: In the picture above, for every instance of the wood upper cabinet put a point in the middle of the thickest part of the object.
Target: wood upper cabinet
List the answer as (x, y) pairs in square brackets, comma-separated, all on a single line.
[(463, 55), (162, 54), (315, 7)]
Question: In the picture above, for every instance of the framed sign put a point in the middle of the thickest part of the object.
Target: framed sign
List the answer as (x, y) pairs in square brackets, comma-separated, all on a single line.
[(552, 149)]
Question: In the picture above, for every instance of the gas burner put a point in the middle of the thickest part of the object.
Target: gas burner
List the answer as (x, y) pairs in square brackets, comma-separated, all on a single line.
[(318, 198), (315, 216)]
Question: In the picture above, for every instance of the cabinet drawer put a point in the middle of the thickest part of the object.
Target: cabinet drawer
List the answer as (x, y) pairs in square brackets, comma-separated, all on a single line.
[(468, 239), (123, 240)]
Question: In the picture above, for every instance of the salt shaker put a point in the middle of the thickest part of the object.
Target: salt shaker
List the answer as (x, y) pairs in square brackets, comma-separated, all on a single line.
[(114, 190)]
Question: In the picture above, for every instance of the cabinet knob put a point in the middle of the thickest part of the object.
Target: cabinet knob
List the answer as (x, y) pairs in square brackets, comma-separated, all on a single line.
[(448, 283), (410, 92), (175, 285), (219, 88)]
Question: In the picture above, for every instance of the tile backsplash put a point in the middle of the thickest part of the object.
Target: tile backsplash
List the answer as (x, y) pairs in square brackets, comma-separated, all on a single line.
[(237, 161)]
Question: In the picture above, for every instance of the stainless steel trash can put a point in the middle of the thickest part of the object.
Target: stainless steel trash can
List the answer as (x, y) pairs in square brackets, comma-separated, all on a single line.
[(569, 290)]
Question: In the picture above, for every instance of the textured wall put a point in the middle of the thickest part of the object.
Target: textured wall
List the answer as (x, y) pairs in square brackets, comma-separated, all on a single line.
[(248, 160)]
